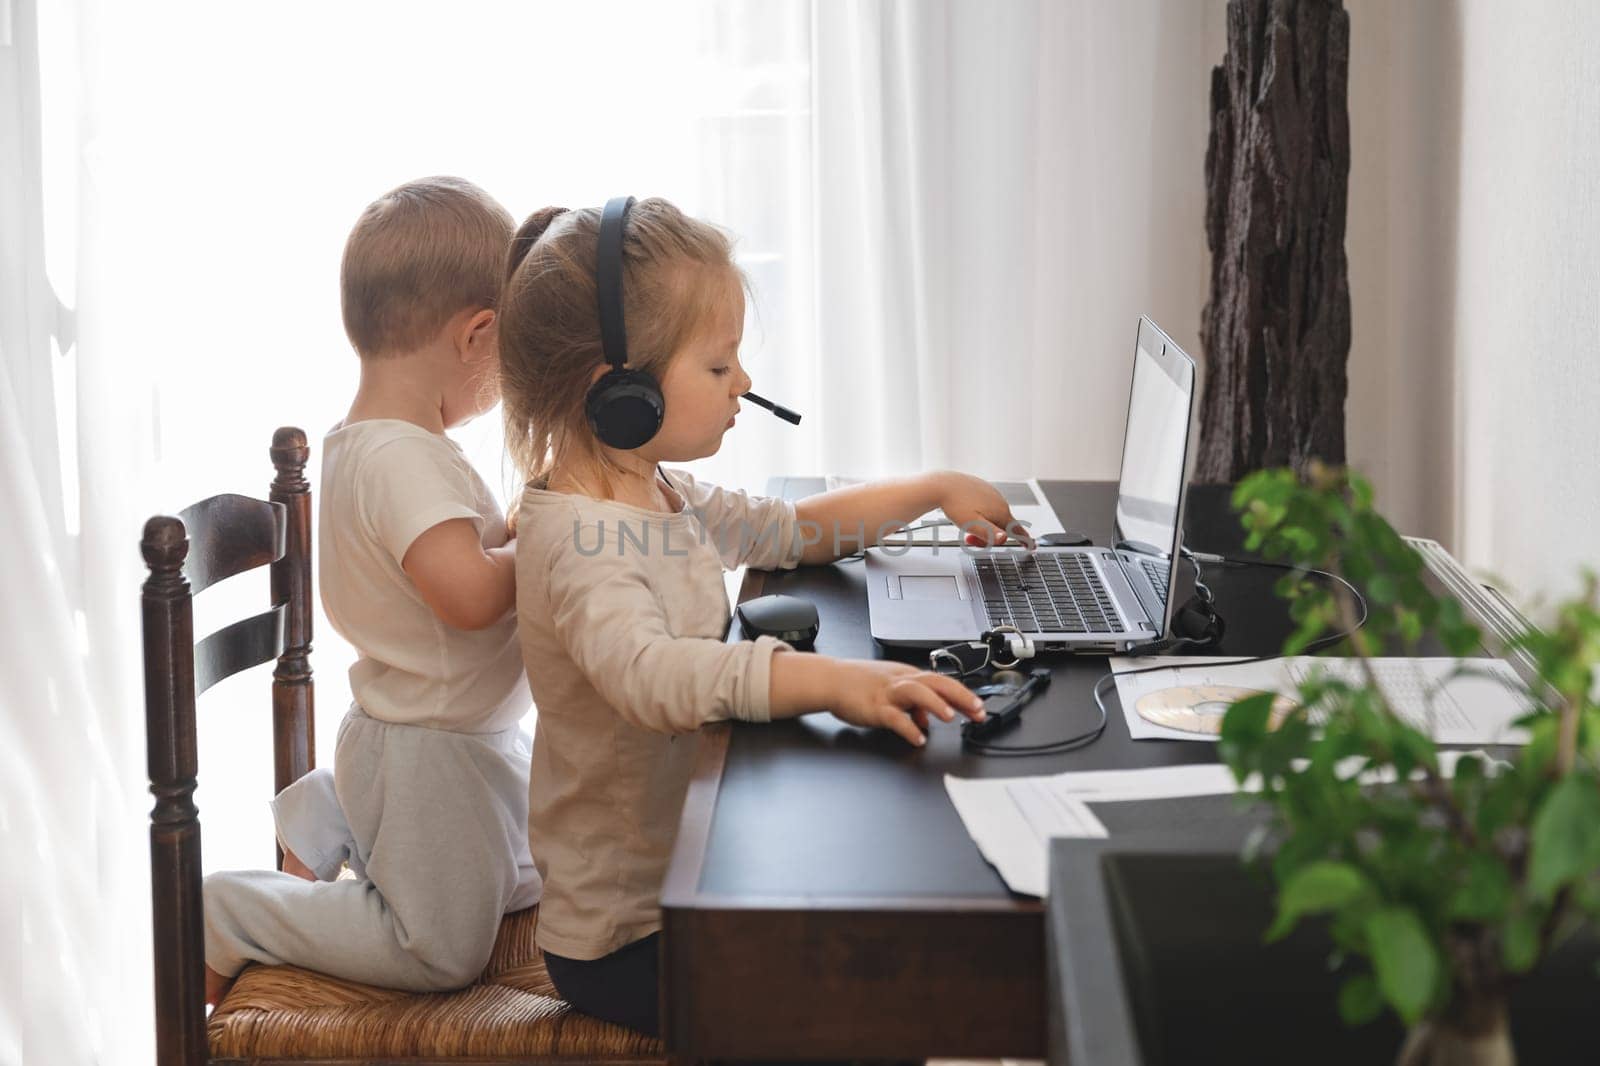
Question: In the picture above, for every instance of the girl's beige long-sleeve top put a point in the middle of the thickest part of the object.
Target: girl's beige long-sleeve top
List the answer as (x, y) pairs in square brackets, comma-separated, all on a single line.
[(622, 614)]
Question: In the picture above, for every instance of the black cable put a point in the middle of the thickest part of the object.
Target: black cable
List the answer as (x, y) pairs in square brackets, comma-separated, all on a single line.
[(1057, 747), (1320, 642)]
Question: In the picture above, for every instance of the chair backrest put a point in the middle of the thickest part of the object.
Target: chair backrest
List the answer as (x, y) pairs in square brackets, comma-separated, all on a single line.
[(210, 541)]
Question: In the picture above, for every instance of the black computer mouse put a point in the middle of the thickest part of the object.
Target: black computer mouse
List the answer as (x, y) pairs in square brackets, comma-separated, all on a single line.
[(789, 618), (1067, 538)]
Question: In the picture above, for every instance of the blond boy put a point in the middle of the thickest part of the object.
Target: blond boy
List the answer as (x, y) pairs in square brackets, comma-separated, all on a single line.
[(427, 801)]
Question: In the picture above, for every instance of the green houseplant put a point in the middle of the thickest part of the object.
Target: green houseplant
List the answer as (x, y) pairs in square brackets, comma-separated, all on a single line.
[(1439, 891)]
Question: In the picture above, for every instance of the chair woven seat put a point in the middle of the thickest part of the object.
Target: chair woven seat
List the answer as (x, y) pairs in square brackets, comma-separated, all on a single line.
[(512, 1011)]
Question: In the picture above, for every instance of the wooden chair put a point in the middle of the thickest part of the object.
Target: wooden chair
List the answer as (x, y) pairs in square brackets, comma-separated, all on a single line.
[(282, 1013)]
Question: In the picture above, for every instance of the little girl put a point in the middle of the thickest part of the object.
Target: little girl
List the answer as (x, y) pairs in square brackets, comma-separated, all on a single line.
[(621, 604)]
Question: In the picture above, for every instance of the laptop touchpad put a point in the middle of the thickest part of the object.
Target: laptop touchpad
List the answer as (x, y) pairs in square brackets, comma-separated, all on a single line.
[(929, 587)]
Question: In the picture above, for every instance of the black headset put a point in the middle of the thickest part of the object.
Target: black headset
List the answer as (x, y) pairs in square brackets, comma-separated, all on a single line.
[(625, 407), (1195, 624), (1197, 621)]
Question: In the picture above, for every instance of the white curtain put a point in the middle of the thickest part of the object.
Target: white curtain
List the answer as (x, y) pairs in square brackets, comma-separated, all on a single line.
[(1001, 190), (979, 200), (75, 440), (950, 212)]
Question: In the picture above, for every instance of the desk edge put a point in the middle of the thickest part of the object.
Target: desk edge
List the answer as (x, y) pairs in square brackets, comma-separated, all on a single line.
[(688, 859)]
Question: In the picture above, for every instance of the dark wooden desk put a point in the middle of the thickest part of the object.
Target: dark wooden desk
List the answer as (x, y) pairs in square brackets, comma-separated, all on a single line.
[(824, 898)]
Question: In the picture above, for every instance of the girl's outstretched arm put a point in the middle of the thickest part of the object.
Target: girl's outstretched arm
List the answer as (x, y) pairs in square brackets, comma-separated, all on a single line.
[(846, 520)]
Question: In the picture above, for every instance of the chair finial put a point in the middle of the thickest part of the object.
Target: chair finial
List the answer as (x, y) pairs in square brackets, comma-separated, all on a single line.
[(165, 543)]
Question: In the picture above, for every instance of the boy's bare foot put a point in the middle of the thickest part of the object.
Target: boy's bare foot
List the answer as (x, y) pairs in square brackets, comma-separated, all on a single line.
[(216, 987), (293, 865)]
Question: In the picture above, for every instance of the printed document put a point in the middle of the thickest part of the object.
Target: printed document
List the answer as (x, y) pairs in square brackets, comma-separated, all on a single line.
[(1455, 701)]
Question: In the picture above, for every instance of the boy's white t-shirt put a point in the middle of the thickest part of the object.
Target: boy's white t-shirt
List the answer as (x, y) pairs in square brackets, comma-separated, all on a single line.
[(384, 483)]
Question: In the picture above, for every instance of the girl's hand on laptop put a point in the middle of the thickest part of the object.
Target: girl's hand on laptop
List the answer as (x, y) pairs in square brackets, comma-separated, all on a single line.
[(978, 510), (880, 694)]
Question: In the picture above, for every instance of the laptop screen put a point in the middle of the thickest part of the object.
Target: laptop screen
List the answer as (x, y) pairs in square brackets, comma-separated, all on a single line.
[(1155, 450)]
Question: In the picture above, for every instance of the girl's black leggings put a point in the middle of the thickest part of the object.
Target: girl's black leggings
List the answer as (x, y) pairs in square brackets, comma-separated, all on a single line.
[(621, 987)]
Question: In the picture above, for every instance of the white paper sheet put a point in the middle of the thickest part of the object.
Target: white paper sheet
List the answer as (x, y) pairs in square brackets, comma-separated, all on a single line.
[(1476, 708), (1013, 836), (1012, 819)]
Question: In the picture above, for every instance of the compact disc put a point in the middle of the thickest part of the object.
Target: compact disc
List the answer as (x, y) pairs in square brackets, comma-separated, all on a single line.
[(1199, 708)]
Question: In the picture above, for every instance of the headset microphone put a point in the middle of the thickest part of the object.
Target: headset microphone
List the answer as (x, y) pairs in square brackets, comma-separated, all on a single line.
[(777, 409)]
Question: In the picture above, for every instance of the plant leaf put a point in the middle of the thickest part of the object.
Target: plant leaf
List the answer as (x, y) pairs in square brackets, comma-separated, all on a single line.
[(1359, 1000), (1485, 890), (1566, 835), (1405, 959), (1409, 624), (1316, 887), (1519, 948), (1244, 727), (1540, 751), (1458, 635)]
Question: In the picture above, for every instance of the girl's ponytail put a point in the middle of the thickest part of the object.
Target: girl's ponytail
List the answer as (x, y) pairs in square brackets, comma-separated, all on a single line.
[(528, 235)]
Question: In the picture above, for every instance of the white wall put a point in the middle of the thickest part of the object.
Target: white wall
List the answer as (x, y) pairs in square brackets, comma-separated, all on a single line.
[(1528, 291), (1474, 243)]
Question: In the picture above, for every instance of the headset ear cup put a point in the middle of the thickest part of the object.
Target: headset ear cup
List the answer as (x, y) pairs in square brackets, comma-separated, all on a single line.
[(1197, 623), (625, 408)]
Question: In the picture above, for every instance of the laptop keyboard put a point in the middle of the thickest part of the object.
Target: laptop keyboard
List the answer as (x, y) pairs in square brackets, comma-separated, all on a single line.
[(1048, 593), (1157, 574)]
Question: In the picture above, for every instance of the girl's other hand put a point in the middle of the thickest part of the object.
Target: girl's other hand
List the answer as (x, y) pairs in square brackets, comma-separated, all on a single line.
[(978, 509), (890, 695)]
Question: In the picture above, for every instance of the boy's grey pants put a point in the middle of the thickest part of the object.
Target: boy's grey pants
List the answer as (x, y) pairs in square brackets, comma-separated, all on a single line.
[(434, 825)]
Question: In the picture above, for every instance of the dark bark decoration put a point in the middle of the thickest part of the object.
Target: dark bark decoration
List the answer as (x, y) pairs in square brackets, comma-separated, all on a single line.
[(1276, 327)]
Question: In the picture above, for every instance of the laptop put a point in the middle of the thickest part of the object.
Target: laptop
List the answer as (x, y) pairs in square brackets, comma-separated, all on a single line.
[(1090, 599)]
